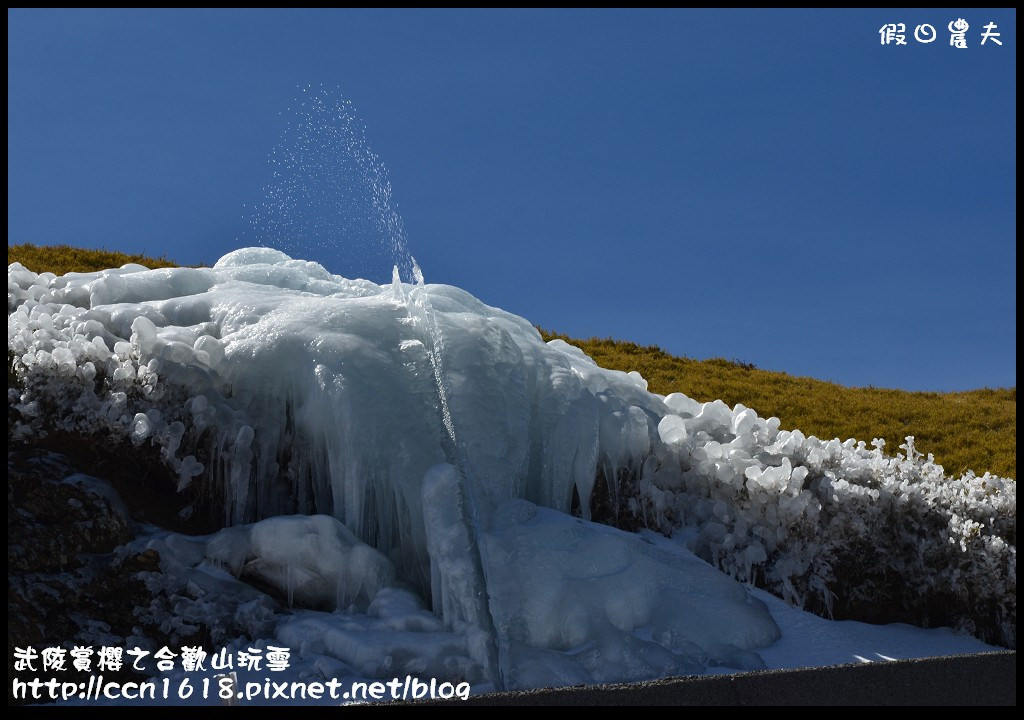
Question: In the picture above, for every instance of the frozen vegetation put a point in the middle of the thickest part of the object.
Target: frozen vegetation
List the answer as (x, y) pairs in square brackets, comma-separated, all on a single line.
[(375, 451)]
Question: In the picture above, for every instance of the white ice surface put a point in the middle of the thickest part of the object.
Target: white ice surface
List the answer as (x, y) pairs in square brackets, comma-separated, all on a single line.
[(808, 640), (812, 641), (558, 558)]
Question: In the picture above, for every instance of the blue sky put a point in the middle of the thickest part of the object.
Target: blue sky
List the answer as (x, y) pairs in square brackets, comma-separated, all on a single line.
[(771, 186)]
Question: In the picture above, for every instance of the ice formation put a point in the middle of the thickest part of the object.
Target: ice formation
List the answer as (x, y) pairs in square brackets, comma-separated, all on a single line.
[(577, 602), (274, 388)]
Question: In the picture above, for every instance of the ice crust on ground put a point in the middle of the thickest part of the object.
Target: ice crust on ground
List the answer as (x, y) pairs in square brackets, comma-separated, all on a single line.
[(314, 559), (583, 601), (397, 635), (282, 389)]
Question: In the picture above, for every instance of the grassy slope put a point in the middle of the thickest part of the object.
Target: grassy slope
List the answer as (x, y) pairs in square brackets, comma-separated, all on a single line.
[(61, 259), (966, 430)]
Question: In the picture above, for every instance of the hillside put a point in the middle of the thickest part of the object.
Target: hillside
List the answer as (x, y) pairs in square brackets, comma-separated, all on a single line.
[(61, 259), (974, 430)]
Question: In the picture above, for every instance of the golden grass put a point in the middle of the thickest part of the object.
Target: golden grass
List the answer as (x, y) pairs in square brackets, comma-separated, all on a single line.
[(974, 430), (62, 259)]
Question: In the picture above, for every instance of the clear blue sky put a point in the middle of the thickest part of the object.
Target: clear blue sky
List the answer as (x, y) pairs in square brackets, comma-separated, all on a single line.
[(771, 186)]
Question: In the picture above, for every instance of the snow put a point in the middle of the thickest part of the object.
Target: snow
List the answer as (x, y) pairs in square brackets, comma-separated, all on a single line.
[(560, 583), (812, 641), (582, 603), (379, 448), (314, 559), (808, 640)]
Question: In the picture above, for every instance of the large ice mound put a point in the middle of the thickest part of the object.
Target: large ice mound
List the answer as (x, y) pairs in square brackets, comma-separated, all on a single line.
[(575, 602), (273, 387)]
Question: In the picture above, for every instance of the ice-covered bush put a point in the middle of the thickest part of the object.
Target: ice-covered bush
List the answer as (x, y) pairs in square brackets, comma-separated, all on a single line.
[(838, 526), (103, 372), (274, 387)]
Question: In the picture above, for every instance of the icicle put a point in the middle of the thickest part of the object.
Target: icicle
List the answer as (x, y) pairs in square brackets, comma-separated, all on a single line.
[(469, 506)]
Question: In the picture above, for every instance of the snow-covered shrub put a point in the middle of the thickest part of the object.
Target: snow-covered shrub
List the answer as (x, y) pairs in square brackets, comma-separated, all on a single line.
[(103, 372), (837, 526), (285, 389)]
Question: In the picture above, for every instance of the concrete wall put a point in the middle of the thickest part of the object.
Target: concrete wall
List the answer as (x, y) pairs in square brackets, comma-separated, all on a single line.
[(984, 679)]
